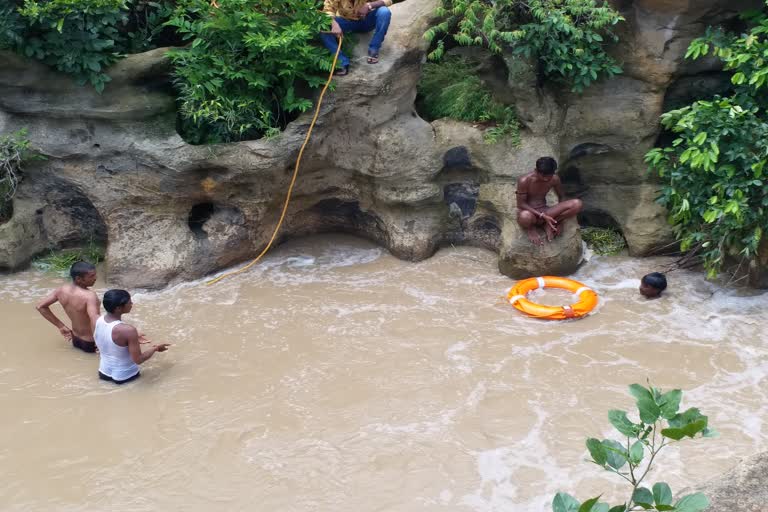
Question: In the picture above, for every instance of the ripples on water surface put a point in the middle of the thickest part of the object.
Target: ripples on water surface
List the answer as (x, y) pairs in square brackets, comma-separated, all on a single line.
[(334, 377)]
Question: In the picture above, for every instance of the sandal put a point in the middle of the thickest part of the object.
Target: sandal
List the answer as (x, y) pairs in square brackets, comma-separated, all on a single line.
[(373, 57), (342, 71)]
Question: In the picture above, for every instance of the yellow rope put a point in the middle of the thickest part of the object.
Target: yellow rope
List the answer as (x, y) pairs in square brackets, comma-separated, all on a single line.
[(295, 174)]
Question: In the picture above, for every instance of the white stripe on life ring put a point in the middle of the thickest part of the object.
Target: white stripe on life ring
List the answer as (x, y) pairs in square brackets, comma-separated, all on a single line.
[(582, 289), (540, 280), (515, 298)]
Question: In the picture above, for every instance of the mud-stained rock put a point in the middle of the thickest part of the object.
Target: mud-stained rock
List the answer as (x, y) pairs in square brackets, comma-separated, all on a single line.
[(520, 259)]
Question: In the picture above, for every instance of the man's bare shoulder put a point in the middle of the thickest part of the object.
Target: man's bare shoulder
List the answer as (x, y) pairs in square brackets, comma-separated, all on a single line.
[(125, 329), (525, 179)]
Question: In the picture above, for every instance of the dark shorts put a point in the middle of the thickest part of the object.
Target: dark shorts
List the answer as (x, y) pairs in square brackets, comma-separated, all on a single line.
[(84, 345), (110, 379)]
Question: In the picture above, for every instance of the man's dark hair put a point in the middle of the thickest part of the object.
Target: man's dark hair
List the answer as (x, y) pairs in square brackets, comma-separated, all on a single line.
[(80, 268), (546, 165), (655, 280), (113, 299)]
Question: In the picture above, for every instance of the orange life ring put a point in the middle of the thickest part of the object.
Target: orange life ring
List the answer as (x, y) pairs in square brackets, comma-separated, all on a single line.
[(586, 303)]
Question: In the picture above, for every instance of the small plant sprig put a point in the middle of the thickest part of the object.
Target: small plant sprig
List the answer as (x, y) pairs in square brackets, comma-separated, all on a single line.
[(660, 425)]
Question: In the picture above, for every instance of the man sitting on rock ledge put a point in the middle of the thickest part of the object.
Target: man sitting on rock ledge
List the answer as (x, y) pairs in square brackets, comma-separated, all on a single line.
[(532, 209), (356, 16)]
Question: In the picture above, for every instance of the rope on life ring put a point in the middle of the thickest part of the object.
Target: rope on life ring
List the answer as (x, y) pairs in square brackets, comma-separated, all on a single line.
[(517, 296)]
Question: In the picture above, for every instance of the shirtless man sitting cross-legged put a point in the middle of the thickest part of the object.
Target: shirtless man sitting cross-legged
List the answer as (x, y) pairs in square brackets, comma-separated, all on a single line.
[(80, 304), (532, 209)]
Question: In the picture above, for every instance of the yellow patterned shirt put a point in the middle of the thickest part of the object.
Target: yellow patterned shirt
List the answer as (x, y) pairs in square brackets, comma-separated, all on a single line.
[(347, 8)]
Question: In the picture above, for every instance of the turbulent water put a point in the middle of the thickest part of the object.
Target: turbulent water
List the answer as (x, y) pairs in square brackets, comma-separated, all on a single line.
[(333, 377)]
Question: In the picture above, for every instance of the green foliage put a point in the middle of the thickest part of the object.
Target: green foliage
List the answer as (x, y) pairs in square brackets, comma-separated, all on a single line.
[(240, 76), (566, 37), (59, 262), (604, 241), (633, 457), (11, 28), (146, 22), (77, 37), (14, 149), (451, 88), (713, 172)]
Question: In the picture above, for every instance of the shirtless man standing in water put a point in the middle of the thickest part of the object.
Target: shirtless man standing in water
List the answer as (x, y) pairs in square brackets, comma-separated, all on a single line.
[(80, 304), (532, 209)]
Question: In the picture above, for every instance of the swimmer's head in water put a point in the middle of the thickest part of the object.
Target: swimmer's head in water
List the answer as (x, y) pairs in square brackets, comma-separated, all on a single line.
[(117, 301), (546, 167), (651, 285), (83, 273)]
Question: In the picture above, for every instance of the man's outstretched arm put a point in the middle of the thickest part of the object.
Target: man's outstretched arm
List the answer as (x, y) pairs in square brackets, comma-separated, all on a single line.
[(44, 308), (134, 346)]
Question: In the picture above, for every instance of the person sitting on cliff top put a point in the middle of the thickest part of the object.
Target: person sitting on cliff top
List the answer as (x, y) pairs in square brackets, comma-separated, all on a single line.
[(651, 285), (532, 209), (356, 16), (119, 343), (80, 304)]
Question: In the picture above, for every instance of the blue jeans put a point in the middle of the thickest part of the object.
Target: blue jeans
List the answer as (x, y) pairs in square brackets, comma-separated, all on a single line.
[(377, 20)]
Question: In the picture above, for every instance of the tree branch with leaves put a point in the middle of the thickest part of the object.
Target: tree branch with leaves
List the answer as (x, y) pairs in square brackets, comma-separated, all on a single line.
[(659, 424)]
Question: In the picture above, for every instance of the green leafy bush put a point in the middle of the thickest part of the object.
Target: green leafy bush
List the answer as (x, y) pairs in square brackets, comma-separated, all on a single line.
[(14, 148), (11, 28), (241, 75), (713, 172), (660, 424), (566, 37), (604, 241), (78, 37), (452, 89), (59, 262), (146, 25)]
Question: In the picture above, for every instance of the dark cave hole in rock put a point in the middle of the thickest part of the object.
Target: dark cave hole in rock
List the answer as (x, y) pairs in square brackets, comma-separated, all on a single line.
[(198, 216), (461, 199), (596, 218), (570, 175)]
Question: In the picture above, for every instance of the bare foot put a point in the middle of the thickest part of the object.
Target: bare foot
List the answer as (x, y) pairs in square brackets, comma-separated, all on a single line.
[(551, 232), (533, 236)]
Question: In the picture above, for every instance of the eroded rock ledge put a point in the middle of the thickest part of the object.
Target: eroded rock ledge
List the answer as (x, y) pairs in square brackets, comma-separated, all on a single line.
[(118, 171)]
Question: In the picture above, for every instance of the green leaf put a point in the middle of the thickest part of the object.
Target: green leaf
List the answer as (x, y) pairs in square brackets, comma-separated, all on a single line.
[(620, 421), (597, 451), (636, 452), (643, 497), (615, 454), (638, 391), (587, 505), (649, 411), (662, 494), (619, 508), (670, 403), (692, 503), (564, 502)]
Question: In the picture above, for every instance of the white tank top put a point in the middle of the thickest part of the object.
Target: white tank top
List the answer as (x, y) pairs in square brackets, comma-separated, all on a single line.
[(114, 361)]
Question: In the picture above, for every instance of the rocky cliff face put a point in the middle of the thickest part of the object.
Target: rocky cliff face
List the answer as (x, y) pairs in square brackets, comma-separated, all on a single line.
[(118, 172)]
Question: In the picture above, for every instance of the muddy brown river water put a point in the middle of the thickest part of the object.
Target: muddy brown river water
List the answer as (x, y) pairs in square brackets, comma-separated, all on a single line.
[(333, 377)]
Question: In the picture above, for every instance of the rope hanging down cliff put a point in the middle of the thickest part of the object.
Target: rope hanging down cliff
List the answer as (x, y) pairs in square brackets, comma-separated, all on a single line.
[(293, 178)]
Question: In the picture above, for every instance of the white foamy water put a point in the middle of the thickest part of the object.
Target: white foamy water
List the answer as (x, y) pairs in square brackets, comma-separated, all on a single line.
[(335, 377)]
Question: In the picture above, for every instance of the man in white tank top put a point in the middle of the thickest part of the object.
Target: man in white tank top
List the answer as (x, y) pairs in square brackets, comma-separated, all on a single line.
[(119, 348)]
